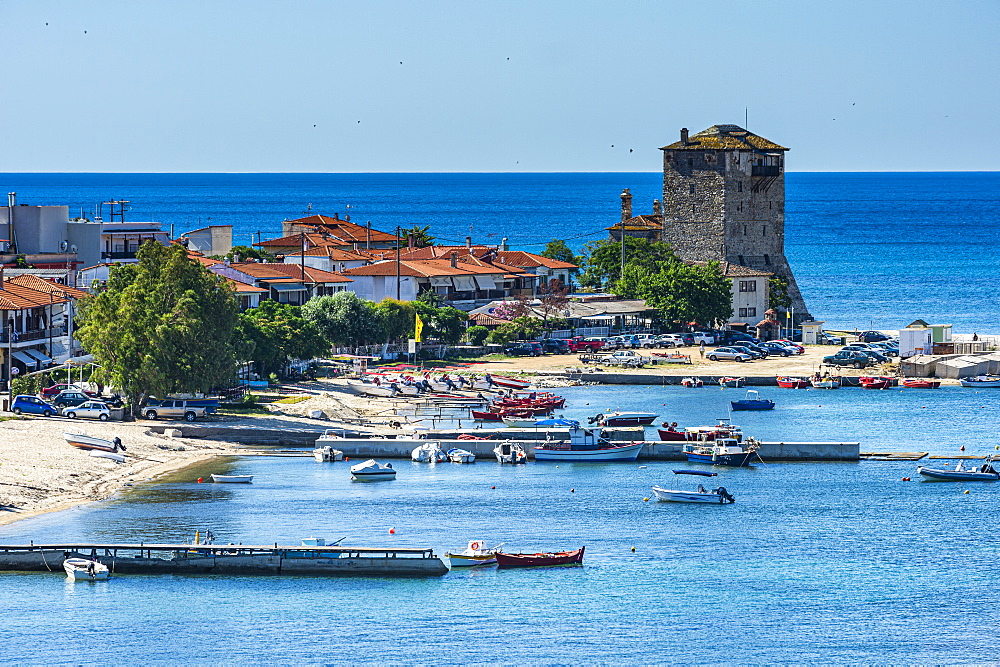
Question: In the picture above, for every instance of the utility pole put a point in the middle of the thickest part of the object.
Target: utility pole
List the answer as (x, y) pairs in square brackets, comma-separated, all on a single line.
[(622, 274), (397, 264), (302, 258)]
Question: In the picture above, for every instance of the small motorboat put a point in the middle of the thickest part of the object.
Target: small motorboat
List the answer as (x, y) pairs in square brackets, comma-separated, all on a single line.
[(825, 382), (519, 422), (984, 473), (722, 451), (377, 389), (509, 382), (703, 473), (752, 401), (232, 479), (327, 453), (920, 383), (372, 471), (876, 382), (474, 555), (84, 569), (717, 496), (981, 381), (81, 441), (610, 419), (584, 445), (510, 452), (692, 382), (456, 455), (429, 452), (505, 560), (732, 382), (792, 383)]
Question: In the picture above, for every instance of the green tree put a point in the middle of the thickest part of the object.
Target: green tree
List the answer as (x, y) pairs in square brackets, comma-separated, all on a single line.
[(445, 324), (275, 332), (521, 328), (164, 324), (418, 236), (604, 259), (557, 249), (430, 297), (345, 319), (680, 292), (245, 253), (777, 293), (477, 334), (398, 318)]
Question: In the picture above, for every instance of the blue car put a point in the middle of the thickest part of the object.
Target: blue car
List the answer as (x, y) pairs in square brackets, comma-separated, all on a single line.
[(31, 405)]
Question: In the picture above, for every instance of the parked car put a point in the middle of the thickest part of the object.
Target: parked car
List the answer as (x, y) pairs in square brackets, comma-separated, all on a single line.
[(594, 343), (90, 410), (620, 343), (775, 347), (872, 336), (70, 397), (668, 340), (728, 354), (730, 337), (706, 337), (524, 349), (853, 358), (874, 355), (56, 389), (645, 340), (627, 358), (172, 408), (555, 346), (824, 338), (756, 354), (687, 337), (799, 349), (31, 405), (886, 348)]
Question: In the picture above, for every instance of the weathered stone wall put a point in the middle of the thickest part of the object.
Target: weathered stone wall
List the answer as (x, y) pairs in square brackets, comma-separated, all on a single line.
[(715, 208)]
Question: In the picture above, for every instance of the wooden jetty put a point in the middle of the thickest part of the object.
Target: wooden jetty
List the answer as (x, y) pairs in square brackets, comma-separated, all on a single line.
[(893, 456), (236, 559)]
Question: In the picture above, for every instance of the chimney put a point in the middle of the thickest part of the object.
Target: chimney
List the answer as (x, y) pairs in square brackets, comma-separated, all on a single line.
[(503, 244), (656, 207), (335, 214), (684, 136), (1, 277), (626, 204), (454, 260), (236, 258)]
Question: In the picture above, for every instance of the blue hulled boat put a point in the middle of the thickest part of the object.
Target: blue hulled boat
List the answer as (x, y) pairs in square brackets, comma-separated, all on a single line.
[(753, 401)]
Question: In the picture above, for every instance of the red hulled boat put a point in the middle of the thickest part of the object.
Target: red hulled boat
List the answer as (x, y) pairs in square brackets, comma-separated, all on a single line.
[(876, 382), (792, 383), (920, 383), (540, 559)]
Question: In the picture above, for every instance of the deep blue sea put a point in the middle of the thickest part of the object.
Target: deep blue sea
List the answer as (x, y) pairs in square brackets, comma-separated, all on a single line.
[(814, 563), (868, 250)]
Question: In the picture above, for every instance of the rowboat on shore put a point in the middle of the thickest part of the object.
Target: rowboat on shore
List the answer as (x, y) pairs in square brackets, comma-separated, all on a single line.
[(232, 479), (542, 559), (81, 441)]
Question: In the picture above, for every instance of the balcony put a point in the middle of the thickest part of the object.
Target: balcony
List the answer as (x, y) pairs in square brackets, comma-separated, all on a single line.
[(27, 336), (765, 170), (126, 255)]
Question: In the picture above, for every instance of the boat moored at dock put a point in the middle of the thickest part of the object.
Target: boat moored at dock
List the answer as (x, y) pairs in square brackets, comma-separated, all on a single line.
[(85, 569), (722, 451), (752, 401), (981, 381), (477, 553), (584, 445)]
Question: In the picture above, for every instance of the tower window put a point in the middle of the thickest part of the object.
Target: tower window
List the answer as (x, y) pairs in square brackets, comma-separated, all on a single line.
[(739, 207), (691, 162), (767, 259), (739, 259), (739, 186), (744, 230), (748, 285), (692, 209), (691, 188), (769, 204), (764, 230)]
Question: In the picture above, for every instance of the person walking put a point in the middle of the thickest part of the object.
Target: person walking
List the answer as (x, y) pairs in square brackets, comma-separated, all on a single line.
[(701, 349)]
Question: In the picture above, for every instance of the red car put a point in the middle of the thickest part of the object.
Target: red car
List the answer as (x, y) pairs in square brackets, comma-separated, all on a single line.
[(56, 389), (583, 344)]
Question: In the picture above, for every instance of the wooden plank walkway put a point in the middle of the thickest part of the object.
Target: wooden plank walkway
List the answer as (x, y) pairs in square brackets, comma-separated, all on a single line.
[(892, 456)]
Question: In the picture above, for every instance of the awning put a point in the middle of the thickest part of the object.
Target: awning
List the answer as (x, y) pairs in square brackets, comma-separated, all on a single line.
[(37, 354), (465, 283), (440, 282), (485, 282), (598, 317), (289, 288), (25, 359)]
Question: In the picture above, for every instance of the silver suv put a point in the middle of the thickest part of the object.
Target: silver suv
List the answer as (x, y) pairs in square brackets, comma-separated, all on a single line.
[(171, 408)]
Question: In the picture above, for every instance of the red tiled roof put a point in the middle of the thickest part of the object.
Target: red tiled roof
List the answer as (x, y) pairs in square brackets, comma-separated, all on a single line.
[(349, 232), (426, 268), (311, 275), (28, 291)]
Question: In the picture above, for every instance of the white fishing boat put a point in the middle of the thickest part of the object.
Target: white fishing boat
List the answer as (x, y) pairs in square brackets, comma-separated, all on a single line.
[(429, 452), (372, 471), (84, 569), (510, 452), (515, 422), (232, 479), (475, 554), (327, 453), (113, 456), (82, 441), (717, 496), (584, 445), (981, 381), (828, 382), (456, 455)]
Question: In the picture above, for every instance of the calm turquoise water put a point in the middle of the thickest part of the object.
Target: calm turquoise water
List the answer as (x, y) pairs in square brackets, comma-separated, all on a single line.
[(834, 562), (872, 249)]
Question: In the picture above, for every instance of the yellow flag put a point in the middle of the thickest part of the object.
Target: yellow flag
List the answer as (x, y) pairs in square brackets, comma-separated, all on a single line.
[(418, 331)]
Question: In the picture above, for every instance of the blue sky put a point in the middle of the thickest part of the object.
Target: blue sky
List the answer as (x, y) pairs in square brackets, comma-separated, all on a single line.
[(314, 86)]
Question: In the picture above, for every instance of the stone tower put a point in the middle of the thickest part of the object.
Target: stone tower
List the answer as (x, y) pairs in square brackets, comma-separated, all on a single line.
[(724, 200)]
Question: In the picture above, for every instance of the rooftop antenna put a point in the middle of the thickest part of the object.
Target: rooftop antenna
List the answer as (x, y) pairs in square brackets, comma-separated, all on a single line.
[(746, 118)]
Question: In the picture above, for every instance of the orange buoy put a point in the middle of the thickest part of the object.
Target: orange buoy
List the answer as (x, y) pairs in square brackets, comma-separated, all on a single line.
[(392, 531), (200, 480), (633, 549), (906, 479), (347, 458), (645, 500), (493, 487), (962, 448)]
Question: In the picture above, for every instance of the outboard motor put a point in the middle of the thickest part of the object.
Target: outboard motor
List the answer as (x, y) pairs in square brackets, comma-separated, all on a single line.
[(725, 496)]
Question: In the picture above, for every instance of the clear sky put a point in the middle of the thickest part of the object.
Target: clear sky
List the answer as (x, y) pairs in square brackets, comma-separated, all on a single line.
[(426, 86)]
